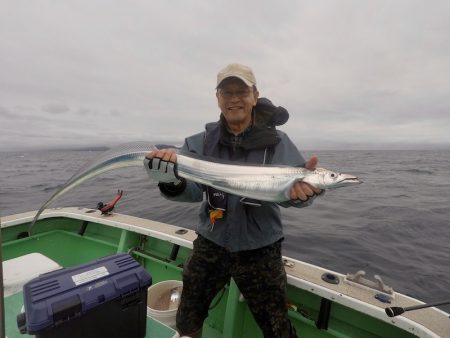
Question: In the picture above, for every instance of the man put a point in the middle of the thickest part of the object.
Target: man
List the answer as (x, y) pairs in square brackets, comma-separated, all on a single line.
[(237, 237)]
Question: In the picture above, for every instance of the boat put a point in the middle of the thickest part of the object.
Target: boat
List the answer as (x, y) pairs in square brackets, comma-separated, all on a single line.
[(322, 303)]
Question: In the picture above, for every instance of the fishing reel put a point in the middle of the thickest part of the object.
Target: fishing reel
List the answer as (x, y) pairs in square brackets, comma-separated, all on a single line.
[(106, 209)]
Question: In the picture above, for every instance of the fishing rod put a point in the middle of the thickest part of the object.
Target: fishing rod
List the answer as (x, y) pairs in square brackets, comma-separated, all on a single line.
[(396, 310)]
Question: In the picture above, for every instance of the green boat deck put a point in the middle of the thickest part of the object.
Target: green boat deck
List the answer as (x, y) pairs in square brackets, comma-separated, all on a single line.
[(58, 238)]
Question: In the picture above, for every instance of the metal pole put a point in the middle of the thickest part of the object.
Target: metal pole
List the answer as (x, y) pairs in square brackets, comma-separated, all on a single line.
[(396, 310), (2, 296)]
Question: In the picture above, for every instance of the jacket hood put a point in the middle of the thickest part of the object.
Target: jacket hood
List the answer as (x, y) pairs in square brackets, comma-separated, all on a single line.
[(266, 113)]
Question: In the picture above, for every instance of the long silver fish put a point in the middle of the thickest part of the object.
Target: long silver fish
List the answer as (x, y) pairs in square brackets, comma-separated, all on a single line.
[(265, 183)]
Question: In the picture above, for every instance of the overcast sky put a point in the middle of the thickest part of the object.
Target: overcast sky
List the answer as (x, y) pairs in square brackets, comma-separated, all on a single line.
[(351, 73)]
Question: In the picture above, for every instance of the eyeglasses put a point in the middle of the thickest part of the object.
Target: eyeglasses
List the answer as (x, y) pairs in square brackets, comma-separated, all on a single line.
[(228, 94)]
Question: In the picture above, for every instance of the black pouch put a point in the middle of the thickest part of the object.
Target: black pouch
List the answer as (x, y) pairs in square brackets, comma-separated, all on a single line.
[(217, 199)]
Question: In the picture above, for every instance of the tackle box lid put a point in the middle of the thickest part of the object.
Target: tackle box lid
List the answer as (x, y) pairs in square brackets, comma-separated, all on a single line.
[(58, 295)]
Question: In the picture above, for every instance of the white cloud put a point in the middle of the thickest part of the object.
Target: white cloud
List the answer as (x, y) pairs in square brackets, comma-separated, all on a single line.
[(88, 72), (55, 108)]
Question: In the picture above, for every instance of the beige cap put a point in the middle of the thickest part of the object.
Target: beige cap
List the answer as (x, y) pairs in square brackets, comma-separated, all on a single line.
[(237, 70)]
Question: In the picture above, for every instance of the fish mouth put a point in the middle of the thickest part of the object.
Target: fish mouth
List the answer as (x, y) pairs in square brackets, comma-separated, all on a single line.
[(351, 180)]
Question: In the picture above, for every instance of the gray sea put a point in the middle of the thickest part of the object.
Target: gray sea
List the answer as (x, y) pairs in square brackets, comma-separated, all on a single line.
[(396, 224)]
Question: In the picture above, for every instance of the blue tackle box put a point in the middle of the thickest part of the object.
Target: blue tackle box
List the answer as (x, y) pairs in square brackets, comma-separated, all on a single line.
[(103, 298)]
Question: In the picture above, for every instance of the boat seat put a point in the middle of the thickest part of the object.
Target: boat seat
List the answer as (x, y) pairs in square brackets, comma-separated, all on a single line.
[(20, 270)]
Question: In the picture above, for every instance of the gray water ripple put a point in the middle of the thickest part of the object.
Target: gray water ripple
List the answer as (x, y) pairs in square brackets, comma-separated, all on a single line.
[(396, 224)]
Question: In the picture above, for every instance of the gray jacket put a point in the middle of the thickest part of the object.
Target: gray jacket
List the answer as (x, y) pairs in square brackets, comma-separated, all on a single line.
[(244, 226)]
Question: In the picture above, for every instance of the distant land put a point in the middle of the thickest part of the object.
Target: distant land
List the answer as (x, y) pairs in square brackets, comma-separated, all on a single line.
[(88, 148), (302, 146)]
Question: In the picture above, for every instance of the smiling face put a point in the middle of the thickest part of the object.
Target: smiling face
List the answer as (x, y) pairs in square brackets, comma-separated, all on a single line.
[(236, 101)]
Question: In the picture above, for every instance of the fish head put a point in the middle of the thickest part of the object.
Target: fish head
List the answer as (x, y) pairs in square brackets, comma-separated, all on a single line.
[(327, 179)]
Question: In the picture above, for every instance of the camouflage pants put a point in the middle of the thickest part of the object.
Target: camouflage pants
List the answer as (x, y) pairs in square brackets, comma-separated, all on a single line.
[(258, 273)]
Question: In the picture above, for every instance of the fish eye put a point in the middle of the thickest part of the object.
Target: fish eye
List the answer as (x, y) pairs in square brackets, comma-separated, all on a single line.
[(333, 175)]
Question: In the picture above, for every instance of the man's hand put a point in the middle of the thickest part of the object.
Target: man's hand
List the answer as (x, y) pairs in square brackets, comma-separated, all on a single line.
[(168, 155), (160, 166), (301, 190)]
